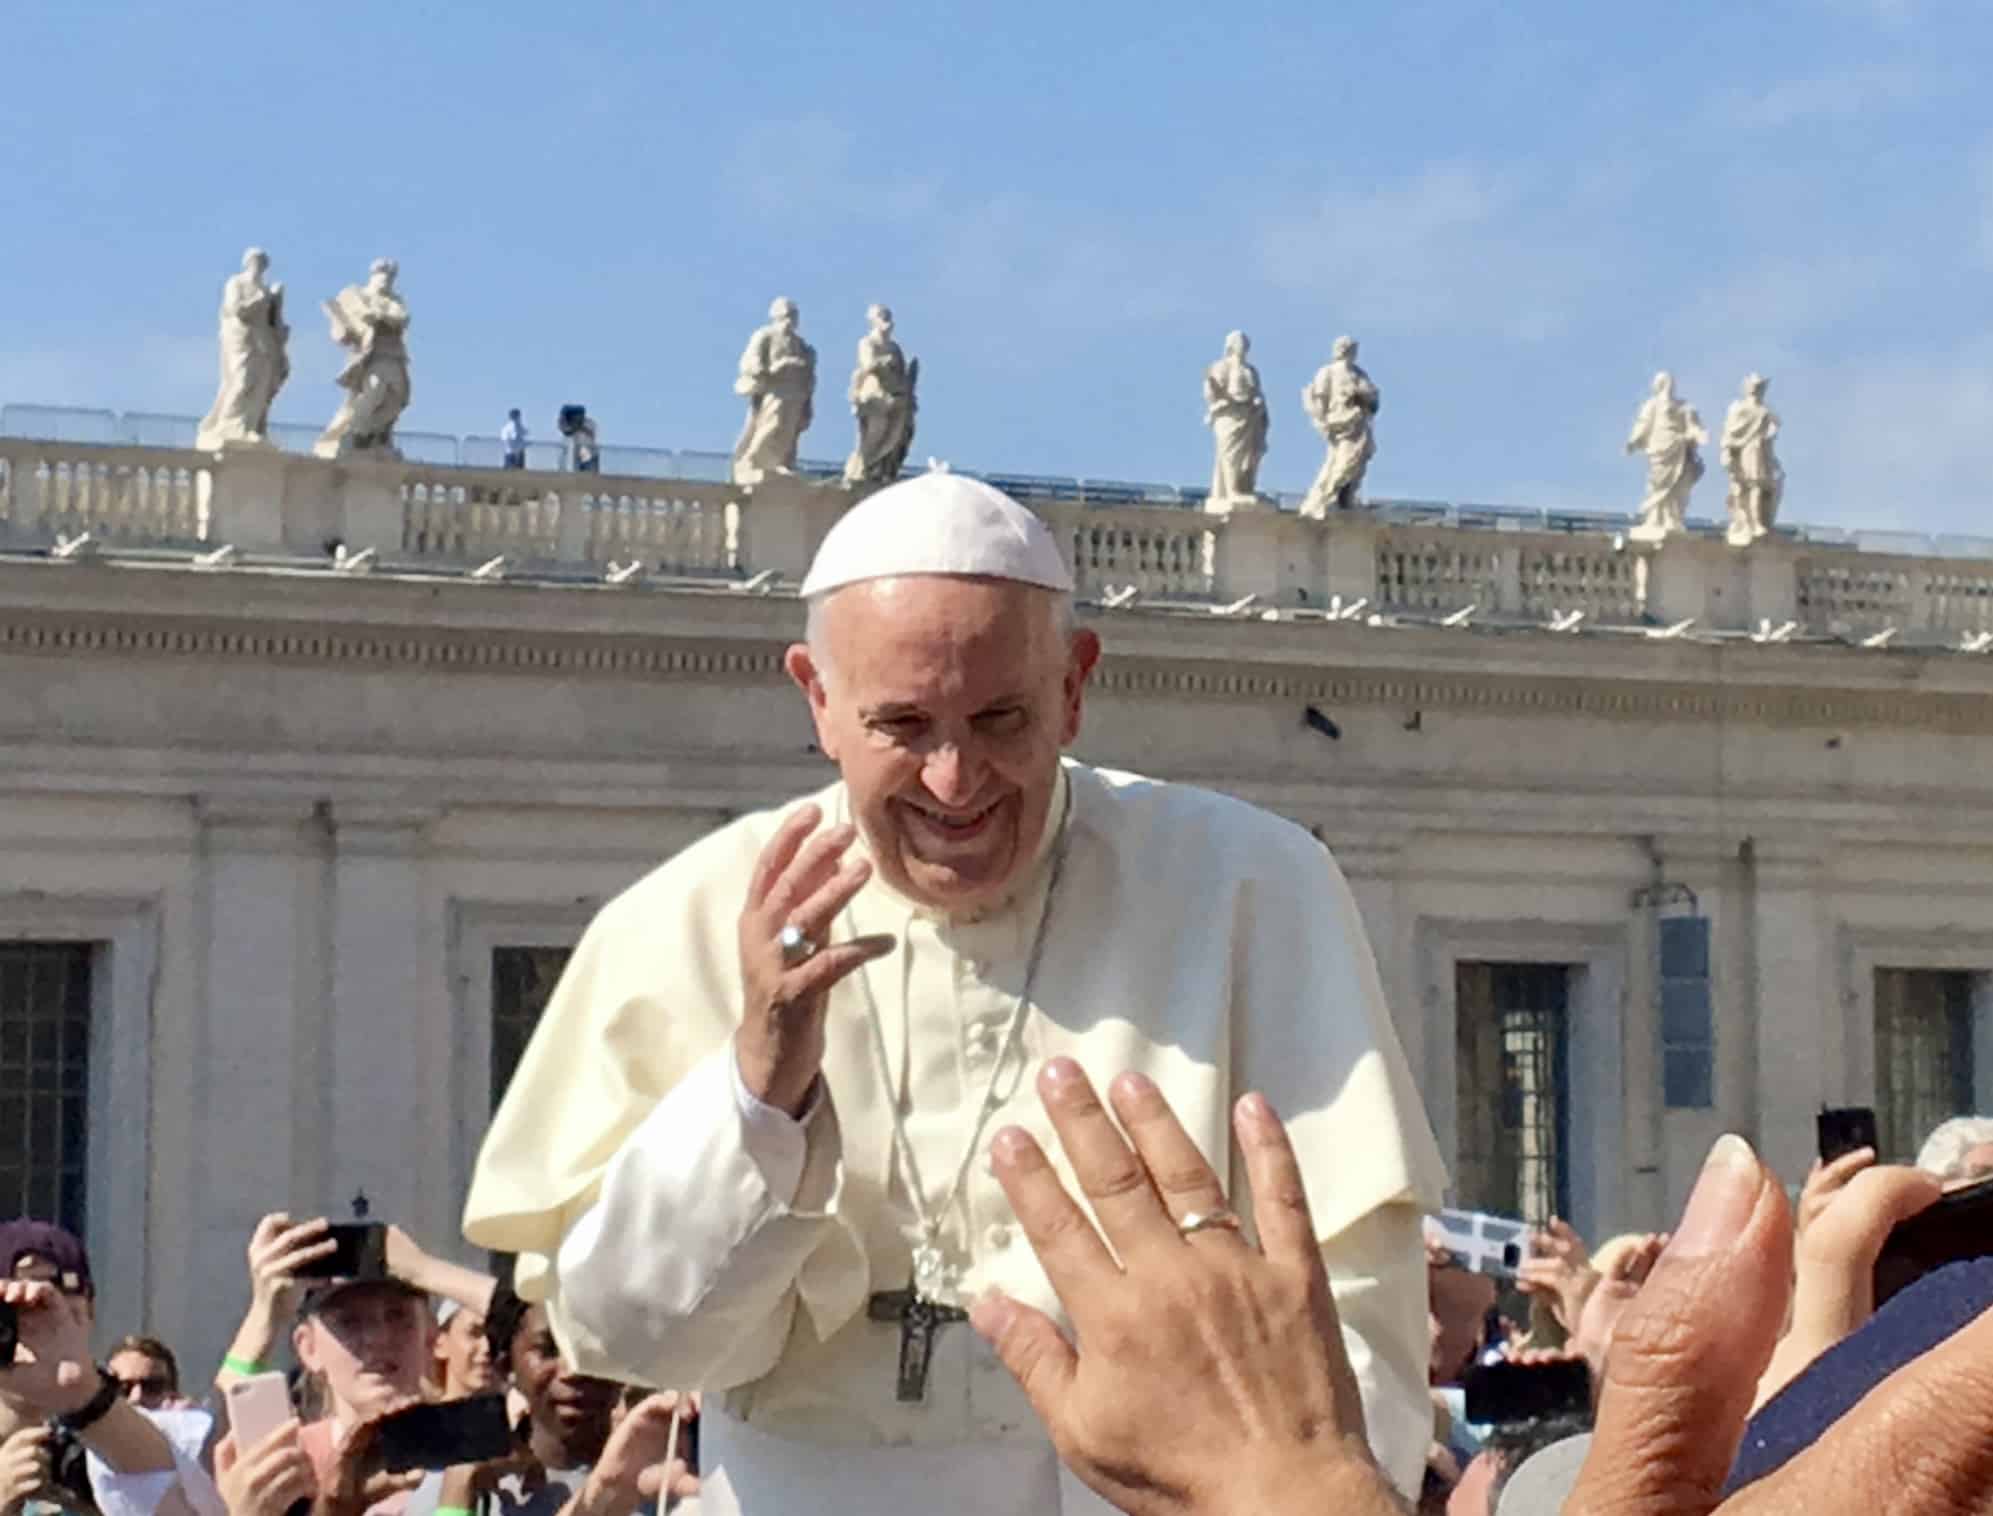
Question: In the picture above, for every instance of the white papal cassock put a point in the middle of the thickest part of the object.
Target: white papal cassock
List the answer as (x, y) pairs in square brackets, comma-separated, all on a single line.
[(685, 1235)]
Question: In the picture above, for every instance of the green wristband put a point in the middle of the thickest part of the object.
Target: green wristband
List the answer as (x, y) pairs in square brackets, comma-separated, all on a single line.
[(453, 1510), (243, 1366)]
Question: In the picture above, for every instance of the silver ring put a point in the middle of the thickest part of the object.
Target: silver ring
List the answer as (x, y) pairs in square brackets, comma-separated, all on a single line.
[(1220, 1220), (797, 949)]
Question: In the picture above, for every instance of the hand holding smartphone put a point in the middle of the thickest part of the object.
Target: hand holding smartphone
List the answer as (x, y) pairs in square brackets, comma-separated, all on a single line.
[(360, 1252), (441, 1436), (1846, 1129)]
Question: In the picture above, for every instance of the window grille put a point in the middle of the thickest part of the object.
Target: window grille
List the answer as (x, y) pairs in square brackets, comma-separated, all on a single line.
[(1923, 1055), (1512, 1091), (45, 1080)]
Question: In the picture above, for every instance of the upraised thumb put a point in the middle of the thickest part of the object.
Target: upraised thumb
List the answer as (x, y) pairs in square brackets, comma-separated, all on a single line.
[(1683, 1366)]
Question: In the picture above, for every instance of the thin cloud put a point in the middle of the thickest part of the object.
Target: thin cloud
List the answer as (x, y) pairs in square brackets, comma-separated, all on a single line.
[(1839, 95), (1457, 246)]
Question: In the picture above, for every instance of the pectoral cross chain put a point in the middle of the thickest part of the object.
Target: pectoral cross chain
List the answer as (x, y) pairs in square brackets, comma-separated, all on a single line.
[(919, 1318)]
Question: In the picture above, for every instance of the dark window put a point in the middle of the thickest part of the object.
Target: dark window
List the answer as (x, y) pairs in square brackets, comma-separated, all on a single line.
[(522, 980), (1688, 1019), (1923, 1055), (1512, 1033), (45, 1080)]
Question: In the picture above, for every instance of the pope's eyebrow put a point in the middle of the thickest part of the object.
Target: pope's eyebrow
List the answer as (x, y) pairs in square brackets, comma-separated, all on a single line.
[(892, 710)]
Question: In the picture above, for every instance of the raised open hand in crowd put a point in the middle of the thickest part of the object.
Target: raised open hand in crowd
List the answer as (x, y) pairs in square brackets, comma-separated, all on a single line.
[(25, 1470), (357, 1482), (267, 1479), (1835, 1255), (1208, 1343), (1209, 1374), (1623, 1267), (643, 1460), (1559, 1269)]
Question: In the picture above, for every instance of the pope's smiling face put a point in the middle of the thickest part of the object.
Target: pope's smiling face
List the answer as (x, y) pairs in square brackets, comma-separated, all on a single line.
[(946, 702)]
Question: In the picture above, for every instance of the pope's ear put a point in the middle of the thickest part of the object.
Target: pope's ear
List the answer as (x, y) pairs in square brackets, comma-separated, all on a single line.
[(1079, 668), (803, 670)]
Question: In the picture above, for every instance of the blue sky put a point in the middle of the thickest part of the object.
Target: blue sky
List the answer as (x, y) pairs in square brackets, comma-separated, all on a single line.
[(1521, 210)]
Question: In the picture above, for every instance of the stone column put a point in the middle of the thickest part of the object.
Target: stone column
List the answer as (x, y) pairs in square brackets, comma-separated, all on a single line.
[(1796, 1011), (390, 1024), (261, 1000)]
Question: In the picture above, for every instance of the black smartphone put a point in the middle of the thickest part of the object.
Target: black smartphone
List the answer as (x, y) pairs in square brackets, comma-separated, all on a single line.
[(361, 1253), (10, 1332), (1502, 1394), (437, 1436), (1959, 1226), (1845, 1129)]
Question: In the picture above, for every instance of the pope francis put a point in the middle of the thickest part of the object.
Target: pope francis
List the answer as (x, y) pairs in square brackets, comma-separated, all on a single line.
[(746, 1149)]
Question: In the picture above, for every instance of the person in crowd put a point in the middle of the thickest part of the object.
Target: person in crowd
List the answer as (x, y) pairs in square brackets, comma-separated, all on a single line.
[(513, 436), (460, 1358), (96, 1451), (1848, 1208), (366, 1344), (578, 1455), (1458, 1302), (1216, 1340), (1958, 1151), (148, 1372)]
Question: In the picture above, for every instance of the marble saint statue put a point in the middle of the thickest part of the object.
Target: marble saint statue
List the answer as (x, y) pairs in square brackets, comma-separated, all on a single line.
[(371, 322), (1235, 410), (882, 398), (255, 358), (1671, 434), (778, 375), (1756, 480), (1342, 402)]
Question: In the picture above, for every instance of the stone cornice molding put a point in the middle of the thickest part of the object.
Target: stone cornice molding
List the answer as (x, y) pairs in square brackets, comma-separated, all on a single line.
[(1608, 680), (368, 829), (258, 822)]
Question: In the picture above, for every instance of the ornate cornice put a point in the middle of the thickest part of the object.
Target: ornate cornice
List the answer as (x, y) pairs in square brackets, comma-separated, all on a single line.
[(1611, 684)]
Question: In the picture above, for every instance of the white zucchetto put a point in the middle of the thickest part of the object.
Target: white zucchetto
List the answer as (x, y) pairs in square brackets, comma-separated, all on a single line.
[(938, 523)]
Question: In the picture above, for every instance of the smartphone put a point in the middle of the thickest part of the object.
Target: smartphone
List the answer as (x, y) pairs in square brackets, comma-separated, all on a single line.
[(10, 1332), (361, 1252), (1484, 1243), (1959, 1226), (476, 1430), (1846, 1129), (257, 1406), (1502, 1394)]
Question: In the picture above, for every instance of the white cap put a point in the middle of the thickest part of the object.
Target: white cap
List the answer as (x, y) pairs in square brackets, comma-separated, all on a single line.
[(938, 523)]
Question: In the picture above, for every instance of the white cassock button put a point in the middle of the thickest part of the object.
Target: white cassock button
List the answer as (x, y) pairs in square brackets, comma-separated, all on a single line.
[(998, 1237)]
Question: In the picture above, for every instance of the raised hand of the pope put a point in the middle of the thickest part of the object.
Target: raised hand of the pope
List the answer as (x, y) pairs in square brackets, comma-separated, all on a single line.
[(1208, 1377), (802, 881)]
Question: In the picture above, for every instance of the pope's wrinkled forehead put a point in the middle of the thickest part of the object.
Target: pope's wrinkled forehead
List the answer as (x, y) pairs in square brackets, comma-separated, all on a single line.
[(908, 619)]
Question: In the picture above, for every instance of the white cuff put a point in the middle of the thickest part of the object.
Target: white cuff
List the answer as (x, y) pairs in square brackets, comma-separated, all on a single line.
[(776, 1141)]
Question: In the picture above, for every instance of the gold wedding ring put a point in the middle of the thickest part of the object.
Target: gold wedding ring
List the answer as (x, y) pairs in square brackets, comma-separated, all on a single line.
[(1220, 1220)]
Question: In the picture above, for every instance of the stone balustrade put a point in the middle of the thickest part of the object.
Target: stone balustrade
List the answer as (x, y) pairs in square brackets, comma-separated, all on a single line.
[(1410, 561)]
